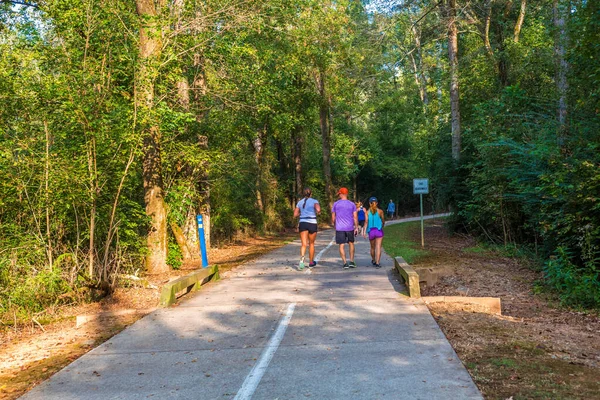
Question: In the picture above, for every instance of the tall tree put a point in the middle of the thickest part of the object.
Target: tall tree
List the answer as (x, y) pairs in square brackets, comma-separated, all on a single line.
[(520, 20), (561, 9), (454, 73), (150, 47)]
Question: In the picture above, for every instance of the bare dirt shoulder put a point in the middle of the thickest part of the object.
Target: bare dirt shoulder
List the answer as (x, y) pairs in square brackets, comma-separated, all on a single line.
[(33, 353), (535, 349)]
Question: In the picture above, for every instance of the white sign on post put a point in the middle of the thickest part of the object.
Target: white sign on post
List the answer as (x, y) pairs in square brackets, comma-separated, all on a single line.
[(421, 186)]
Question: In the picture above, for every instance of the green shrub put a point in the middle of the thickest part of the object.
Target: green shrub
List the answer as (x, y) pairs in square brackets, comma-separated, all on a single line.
[(33, 292), (174, 256), (575, 286)]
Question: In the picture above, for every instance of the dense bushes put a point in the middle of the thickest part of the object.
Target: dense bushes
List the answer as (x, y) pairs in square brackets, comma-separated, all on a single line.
[(526, 188)]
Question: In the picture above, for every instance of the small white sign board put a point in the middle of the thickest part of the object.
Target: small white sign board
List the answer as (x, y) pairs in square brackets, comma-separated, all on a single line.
[(421, 186)]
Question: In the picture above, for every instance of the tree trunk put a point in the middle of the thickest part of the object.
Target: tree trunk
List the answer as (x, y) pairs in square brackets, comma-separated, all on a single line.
[(181, 241), (520, 20), (299, 186), (49, 251), (150, 52), (259, 150), (420, 75), (454, 92), (416, 75), (561, 10), (486, 30), (438, 82), (94, 189), (200, 90), (325, 137)]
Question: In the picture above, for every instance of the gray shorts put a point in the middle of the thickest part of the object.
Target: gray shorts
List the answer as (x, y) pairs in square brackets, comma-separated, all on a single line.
[(342, 237)]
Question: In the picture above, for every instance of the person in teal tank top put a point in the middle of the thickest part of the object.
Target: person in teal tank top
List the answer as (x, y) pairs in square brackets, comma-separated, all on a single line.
[(375, 221)]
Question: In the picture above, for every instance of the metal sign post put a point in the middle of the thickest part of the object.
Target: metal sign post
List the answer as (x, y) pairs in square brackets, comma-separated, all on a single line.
[(421, 187), (202, 241)]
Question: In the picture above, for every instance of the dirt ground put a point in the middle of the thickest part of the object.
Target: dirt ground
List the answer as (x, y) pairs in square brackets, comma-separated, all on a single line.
[(535, 349), (34, 352)]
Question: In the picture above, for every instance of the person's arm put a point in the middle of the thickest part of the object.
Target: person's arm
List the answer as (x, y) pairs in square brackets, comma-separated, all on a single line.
[(382, 215), (355, 215), (317, 208), (296, 212), (366, 224), (333, 215)]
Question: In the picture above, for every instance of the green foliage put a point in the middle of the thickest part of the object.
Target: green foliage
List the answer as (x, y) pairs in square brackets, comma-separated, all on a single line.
[(23, 294), (236, 101), (575, 286), (527, 189), (174, 257)]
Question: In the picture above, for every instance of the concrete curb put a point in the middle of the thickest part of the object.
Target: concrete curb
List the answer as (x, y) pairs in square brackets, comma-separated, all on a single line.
[(190, 282), (493, 304), (410, 276)]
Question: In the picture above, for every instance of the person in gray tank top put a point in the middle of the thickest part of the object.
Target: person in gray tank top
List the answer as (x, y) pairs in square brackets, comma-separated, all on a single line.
[(307, 210)]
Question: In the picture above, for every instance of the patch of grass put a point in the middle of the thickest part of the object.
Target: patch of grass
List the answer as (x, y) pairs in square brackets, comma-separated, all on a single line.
[(479, 249), (397, 241), (503, 362)]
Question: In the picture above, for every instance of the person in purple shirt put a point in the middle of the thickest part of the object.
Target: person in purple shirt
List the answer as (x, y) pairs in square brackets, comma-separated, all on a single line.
[(345, 220)]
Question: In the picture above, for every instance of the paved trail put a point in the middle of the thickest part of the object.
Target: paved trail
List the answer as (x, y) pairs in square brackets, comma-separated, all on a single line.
[(272, 332)]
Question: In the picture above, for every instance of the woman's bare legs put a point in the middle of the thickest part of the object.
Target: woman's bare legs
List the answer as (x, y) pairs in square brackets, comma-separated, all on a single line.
[(372, 242), (311, 249), (378, 242), (304, 239)]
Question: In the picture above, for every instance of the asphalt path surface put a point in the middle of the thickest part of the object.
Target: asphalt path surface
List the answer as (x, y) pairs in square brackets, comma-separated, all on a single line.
[(270, 331)]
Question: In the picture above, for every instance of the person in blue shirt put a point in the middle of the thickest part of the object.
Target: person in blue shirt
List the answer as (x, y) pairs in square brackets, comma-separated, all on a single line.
[(307, 209), (375, 221), (360, 212), (391, 209)]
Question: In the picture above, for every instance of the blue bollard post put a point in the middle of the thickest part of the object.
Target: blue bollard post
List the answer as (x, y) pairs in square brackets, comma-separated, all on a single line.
[(202, 241)]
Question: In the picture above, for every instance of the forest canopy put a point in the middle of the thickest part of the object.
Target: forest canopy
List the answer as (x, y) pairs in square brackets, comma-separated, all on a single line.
[(121, 120)]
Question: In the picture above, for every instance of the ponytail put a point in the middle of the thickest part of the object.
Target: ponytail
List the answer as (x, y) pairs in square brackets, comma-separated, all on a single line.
[(307, 194), (373, 207)]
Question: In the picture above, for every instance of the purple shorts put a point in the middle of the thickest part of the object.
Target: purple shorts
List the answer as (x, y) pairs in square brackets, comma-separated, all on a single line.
[(375, 233)]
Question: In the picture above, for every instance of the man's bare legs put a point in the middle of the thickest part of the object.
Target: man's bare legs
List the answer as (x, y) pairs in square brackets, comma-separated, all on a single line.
[(343, 253), (350, 264)]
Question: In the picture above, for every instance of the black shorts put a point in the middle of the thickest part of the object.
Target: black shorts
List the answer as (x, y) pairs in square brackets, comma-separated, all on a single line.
[(342, 237), (361, 223), (307, 226)]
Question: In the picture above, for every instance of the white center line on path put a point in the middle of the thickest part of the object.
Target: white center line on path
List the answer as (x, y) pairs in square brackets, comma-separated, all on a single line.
[(253, 379), (318, 257)]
